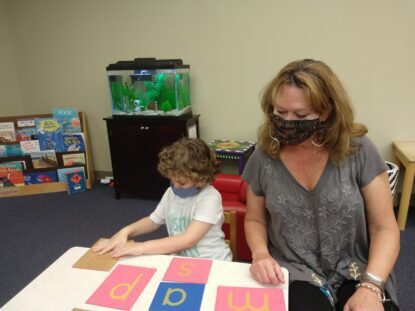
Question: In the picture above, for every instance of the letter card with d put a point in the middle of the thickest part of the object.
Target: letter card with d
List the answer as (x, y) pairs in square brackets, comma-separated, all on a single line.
[(188, 270), (122, 287)]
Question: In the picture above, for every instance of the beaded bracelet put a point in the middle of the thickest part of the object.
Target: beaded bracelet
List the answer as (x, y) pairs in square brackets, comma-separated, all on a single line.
[(380, 293)]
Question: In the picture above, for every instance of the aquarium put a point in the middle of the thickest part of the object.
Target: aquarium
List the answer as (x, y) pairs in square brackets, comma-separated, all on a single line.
[(147, 86)]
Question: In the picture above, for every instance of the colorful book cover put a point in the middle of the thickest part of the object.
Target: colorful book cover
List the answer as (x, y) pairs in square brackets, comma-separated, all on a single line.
[(14, 150), (29, 146), (76, 182), (26, 123), (72, 159), (7, 132), (3, 151), (69, 119), (44, 158), (31, 178), (63, 171), (26, 133), (73, 142), (49, 134), (11, 174)]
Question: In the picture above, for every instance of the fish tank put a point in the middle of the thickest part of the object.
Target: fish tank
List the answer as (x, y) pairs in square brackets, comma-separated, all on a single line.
[(149, 86)]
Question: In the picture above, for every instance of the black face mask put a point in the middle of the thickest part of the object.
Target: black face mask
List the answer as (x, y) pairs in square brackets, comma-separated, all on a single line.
[(294, 132)]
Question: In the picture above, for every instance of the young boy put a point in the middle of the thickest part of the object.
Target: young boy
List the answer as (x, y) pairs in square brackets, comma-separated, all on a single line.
[(190, 208)]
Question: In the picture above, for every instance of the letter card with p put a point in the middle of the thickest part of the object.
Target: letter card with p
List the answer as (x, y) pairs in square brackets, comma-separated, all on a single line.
[(122, 287)]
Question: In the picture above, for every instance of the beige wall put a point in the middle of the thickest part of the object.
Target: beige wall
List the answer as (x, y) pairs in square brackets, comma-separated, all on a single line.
[(234, 47), (10, 100)]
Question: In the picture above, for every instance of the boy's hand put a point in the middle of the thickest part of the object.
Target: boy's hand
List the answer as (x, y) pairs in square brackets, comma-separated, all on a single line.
[(106, 245), (128, 248)]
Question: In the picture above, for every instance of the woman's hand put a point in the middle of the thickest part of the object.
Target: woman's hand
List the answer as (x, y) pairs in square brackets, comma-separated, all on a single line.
[(364, 300), (128, 249), (106, 245), (266, 270)]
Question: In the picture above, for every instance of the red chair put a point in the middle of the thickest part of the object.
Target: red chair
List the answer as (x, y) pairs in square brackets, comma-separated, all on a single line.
[(233, 191)]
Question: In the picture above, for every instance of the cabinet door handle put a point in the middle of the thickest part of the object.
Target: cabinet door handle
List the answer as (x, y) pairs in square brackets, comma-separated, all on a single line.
[(142, 128), (146, 128)]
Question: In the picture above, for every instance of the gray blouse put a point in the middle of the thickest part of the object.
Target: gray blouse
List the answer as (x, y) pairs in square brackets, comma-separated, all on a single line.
[(321, 235)]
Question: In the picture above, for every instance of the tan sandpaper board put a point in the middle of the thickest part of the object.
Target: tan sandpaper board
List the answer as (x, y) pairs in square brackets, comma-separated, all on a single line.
[(92, 261)]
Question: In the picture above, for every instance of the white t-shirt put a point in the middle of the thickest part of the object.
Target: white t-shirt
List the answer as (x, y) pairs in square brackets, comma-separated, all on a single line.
[(177, 213)]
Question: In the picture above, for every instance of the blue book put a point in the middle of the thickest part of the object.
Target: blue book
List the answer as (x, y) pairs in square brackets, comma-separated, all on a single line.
[(49, 134), (73, 142), (76, 182), (14, 150), (69, 119), (63, 171), (32, 178)]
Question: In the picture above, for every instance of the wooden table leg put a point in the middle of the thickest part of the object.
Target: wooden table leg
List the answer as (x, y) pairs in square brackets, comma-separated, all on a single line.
[(406, 195)]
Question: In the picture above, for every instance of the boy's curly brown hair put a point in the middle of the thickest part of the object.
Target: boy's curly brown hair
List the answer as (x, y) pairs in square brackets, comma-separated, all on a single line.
[(191, 158)]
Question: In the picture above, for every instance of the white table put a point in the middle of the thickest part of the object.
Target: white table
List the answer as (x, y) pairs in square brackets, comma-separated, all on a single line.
[(61, 287)]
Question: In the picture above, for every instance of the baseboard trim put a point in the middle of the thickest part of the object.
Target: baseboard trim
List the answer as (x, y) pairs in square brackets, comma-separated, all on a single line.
[(102, 174)]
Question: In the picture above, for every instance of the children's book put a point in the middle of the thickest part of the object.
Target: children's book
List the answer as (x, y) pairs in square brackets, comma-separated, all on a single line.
[(26, 133), (72, 159), (29, 146), (44, 158), (73, 142), (3, 151), (76, 182), (11, 174), (49, 132), (63, 171), (7, 132), (35, 177), (26, 123), (14, 150), (69, 119)]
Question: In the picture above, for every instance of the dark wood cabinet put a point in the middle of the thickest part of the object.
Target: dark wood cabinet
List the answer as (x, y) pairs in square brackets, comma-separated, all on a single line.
[(134, 145)]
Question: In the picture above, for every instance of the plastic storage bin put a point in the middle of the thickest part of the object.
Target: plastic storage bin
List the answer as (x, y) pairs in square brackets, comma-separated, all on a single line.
[(147, 86)]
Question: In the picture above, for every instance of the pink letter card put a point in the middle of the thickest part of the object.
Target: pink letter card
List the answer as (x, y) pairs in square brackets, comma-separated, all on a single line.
[(249, 298), (122, 287), (188, 270)]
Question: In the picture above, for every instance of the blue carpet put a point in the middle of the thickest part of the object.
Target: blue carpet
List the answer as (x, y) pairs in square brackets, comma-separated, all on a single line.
[(36, 230)]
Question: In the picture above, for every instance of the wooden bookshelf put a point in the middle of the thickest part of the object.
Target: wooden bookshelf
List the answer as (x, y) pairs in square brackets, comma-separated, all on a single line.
[(52, 186)]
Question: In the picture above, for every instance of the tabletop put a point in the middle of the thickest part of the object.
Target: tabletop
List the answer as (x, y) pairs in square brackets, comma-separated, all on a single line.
[(61, 287)]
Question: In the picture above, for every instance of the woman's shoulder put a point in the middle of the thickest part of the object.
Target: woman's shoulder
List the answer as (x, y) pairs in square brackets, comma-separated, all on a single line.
[(363, 144)]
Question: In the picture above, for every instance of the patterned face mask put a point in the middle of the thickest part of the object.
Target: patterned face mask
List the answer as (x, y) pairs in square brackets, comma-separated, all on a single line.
[(293, 132)]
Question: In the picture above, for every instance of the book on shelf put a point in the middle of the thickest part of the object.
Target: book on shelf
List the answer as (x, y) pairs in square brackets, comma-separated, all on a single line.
[(11, 174), (40, 177), (29, 146), (63, 171), (73, 142), (7, 132), (44, 158), (26, 122), (72, 159), (49, 132), (76, 182), (3, 151), (69, 119), (14, 150), (26, 133)]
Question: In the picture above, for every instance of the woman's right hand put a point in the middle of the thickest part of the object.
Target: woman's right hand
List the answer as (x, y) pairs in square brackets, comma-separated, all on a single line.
[(266, 270), (105, 245)]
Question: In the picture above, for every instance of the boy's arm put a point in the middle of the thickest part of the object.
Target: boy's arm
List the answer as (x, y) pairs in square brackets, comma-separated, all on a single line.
[(194, 233), (142, 226)]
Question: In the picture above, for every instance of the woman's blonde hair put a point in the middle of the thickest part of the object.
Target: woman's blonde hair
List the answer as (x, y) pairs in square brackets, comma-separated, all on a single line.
[(325, 94), (191, 158)]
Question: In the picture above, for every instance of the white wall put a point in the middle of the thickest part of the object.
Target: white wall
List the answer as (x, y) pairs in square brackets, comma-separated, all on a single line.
[(10, 100), (234, 47)]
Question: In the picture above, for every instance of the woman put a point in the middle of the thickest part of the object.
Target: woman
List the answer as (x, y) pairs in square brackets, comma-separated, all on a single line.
[(319, 201)]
